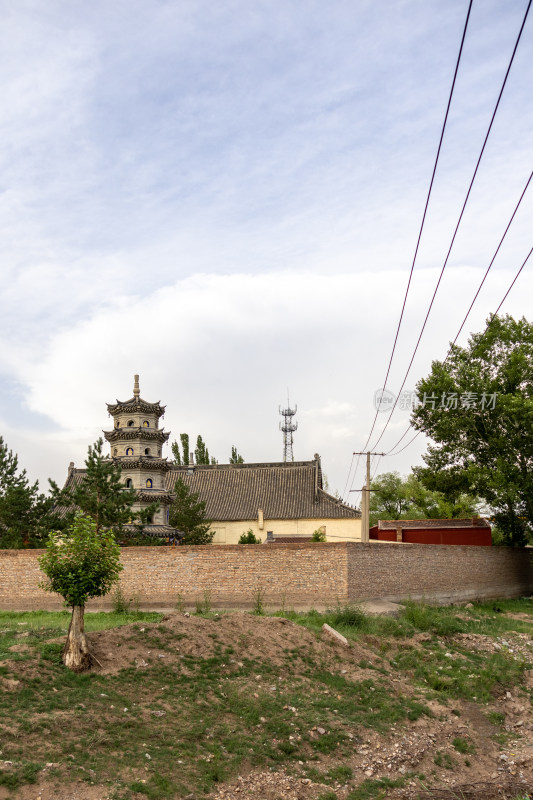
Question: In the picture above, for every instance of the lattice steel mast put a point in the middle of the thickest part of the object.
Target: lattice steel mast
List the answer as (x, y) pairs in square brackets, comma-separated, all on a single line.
[(288, 427)]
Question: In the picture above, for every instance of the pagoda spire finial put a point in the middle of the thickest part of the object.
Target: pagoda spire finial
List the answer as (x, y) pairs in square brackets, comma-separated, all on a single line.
[(136, 386)]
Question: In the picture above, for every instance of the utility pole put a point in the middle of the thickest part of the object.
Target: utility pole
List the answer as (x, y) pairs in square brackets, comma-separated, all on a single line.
[(365, 498)]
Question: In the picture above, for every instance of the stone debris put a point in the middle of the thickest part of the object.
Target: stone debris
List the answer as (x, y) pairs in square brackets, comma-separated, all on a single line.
[(331, 633)]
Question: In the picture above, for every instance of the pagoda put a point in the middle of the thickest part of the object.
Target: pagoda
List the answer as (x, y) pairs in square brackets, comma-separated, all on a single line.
[(136, 443)]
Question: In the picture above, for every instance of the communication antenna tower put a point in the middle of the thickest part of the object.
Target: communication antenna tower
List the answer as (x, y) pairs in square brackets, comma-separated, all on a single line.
[(288, 427)]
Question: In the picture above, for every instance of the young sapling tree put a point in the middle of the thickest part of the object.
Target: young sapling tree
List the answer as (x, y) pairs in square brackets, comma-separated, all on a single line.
[(80, 564)]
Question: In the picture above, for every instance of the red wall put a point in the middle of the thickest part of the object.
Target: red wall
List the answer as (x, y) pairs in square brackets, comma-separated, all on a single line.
[(476, 536)]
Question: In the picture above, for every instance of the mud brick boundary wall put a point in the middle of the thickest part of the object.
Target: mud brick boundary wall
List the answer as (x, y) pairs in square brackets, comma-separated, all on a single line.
[(297, 575)]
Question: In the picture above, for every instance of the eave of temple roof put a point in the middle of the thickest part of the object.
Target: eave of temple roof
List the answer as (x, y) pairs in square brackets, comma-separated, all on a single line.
[(144, 462), (288, 490), (142, 434), (134, 405), (152, 530), (155, 496)]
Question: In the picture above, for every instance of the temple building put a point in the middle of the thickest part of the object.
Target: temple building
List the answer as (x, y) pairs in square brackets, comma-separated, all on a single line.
[(280, 501), (136, 443)]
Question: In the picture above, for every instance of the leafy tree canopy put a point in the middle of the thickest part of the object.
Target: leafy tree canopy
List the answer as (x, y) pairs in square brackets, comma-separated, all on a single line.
[(187, 514), (82, 563), (394, 497), (102, 496), (26, 515), (482, 423), (249, 537), (235, 457), (201, 453)]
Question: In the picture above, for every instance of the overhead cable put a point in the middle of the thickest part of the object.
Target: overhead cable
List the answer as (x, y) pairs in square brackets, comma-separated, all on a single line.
[(491, 320), (419, 234), (457, 225)]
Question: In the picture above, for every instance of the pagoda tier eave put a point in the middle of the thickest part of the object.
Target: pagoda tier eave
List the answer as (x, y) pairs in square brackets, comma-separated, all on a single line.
[(155, 496), (142, 434), (134, 405), (156, 464)]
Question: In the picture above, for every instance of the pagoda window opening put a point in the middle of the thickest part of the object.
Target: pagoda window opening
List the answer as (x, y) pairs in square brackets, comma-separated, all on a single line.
[(131, 423), (146, 424), (149, 519), (146, 451), (115, 451), (149, 483), (129, 483), (129, 451)]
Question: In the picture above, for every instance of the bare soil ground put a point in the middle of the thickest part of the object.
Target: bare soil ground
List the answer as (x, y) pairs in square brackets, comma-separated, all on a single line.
[(497, 761)]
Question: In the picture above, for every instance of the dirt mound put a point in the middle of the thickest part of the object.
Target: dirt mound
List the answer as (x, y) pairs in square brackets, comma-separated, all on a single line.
[(417, 752), (247, 636)]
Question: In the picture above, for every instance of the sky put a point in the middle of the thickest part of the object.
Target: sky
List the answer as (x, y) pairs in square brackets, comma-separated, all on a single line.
[(225, 198)]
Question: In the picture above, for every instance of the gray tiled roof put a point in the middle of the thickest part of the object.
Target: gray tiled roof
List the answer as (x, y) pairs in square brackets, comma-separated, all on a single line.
[(282, 490), (413, 524)]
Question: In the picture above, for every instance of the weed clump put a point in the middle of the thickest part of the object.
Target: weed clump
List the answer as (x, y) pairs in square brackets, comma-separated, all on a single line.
[(350, 615)]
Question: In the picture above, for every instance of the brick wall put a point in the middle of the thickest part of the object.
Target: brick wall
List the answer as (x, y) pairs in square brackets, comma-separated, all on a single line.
[(303, 574), (437, 572)]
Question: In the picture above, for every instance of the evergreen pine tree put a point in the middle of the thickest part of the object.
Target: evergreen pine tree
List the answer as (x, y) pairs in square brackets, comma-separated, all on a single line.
[(187, 514), (102, 496), (26, 515)]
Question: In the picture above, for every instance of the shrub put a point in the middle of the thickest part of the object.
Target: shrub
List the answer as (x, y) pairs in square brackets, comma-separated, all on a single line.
[(249, 537)]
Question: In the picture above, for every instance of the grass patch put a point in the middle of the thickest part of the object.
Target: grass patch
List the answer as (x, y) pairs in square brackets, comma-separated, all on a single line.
[(185, 724), (443, 760), (463, 746)]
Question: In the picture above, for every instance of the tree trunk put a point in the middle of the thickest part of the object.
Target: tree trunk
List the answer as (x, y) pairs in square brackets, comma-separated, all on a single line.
[(76, 655)]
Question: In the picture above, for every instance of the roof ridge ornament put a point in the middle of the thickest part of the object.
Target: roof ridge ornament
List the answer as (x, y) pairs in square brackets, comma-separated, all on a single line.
[(136, 386)]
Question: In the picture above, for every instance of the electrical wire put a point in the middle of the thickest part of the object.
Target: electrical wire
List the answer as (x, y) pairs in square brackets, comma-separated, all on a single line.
[(423, 216), (458, 223), (491, 320), (490, 265), (517, 206)]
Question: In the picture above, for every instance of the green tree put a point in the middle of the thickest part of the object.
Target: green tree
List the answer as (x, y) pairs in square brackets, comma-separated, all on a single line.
[(80, 564), (187, 514), (184, 437), (482, 423), (201, 453), (235, 457), (102, 496), (249, 537), (394, 497), (26, 515), (318, 536)]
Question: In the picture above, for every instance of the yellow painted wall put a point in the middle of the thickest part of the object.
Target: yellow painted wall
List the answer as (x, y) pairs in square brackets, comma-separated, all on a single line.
[(337, 530)]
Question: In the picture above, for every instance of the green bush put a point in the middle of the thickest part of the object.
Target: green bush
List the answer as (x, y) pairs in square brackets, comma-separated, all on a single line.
[(350, 615), (249, 537)]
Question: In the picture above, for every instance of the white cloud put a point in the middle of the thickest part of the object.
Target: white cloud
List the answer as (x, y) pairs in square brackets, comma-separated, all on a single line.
[(220, 352), (225, 198)]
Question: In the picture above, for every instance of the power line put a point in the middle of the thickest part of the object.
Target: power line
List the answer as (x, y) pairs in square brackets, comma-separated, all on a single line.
[(458, 223), (424, 214), (493, 316), (478, 291), (418, 239), (517, 206), (491, 263)]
